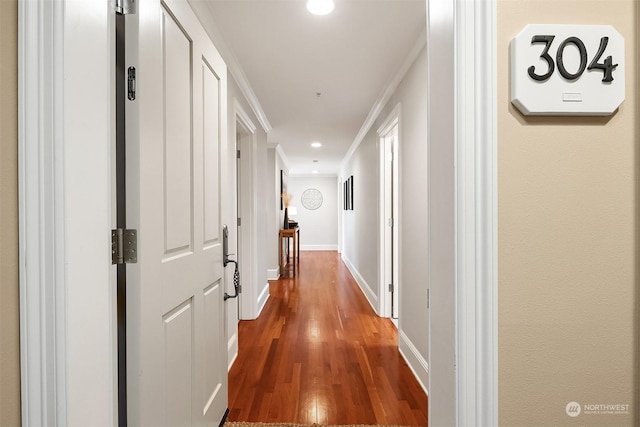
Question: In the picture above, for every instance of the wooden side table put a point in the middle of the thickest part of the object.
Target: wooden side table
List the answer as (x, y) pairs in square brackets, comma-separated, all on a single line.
[(285, 235)]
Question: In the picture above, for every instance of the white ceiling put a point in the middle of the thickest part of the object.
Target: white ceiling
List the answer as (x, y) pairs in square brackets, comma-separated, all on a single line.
[(289, 56)]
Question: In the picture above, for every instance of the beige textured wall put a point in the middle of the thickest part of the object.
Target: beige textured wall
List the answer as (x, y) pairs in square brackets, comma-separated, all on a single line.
[(568, 206), (9, 295)]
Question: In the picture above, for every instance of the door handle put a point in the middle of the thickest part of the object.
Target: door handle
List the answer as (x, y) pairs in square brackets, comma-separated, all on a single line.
[(226, 260)]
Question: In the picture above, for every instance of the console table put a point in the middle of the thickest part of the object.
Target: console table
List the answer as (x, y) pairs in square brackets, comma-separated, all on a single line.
[(285, 235)]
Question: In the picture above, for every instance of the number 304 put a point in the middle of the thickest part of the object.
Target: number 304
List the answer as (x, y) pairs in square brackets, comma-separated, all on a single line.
[(607, 66)]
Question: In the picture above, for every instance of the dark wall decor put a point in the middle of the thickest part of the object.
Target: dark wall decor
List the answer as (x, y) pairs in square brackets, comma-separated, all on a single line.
[(347, 191), (351, 192), (349, 206), (344, 195)]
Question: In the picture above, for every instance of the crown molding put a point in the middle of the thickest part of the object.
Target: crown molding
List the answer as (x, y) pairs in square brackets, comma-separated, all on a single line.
[(244, 118), (281, 153), (385, 95)]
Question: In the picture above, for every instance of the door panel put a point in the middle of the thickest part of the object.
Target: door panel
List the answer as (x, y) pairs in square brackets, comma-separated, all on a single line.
[(211, 158), (175, 128), (178, 148), (212, 299), (178, 338)]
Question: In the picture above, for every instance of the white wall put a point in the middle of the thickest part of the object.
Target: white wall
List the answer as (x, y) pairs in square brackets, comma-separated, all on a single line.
[(319, 227), (412, 221), (361, 225), (272, 199), (263, 234)]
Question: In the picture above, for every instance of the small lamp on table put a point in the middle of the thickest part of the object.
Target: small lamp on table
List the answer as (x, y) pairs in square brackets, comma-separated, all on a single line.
[(293, 211)]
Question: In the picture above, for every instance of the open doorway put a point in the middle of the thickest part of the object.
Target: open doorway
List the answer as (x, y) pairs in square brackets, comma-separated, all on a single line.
[(389, 214), (246, 196)]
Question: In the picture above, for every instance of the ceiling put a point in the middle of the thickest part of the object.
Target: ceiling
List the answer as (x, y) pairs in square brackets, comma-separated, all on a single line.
[(317, 77)]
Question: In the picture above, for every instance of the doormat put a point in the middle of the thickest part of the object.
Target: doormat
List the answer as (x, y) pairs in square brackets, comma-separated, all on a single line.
[(245, 424)]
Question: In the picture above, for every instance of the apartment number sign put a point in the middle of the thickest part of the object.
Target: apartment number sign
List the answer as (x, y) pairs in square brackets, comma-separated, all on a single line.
[(568, 70)]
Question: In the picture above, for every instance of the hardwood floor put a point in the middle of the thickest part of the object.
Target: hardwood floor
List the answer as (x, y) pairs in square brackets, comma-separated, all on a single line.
[(319, 354)]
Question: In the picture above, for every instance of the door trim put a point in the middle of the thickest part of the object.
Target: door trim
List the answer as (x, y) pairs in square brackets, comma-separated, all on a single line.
[(477, 211), (462, 117), (476, 214), (67, 287), (463, 35), (250, 306), (392, 120), (41, 218)]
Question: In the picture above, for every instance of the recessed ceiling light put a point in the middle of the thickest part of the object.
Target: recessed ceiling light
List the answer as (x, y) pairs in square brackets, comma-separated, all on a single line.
[(320, 7), (314, 172), (315, 161), (316, 144)]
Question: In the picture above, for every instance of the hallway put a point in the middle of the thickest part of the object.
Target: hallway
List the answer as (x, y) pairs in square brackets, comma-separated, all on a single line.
[(319, 354)]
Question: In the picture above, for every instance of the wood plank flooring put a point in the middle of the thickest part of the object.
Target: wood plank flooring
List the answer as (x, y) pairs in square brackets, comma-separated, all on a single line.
[(319, 354)]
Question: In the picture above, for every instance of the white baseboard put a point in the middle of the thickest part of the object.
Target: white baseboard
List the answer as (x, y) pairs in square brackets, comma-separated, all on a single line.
[(318, 247), (417, 363), (371, 296), (262, 299), (232, 350), (273, 273)]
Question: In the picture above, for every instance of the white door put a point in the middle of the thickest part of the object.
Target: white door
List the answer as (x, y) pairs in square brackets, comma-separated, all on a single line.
[(390, 188), (395, 304), (176, 348)]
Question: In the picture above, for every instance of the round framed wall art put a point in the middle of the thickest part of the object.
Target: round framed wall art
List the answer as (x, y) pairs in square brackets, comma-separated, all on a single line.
[(311, 199)]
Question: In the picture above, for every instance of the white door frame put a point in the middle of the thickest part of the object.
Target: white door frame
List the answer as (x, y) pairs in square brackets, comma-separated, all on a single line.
[(67, 285), (249, 307), (477, 213), (462, 117), (386, 264), (64, 236), (339, 212)]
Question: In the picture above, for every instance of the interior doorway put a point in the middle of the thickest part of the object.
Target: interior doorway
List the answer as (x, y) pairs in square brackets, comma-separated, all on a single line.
[(239, 246), (390, 287), (246, 225)]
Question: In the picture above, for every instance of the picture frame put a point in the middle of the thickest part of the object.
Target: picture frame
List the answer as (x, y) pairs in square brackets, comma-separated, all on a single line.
[(344, 196), (347, 191), (351, 192)]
